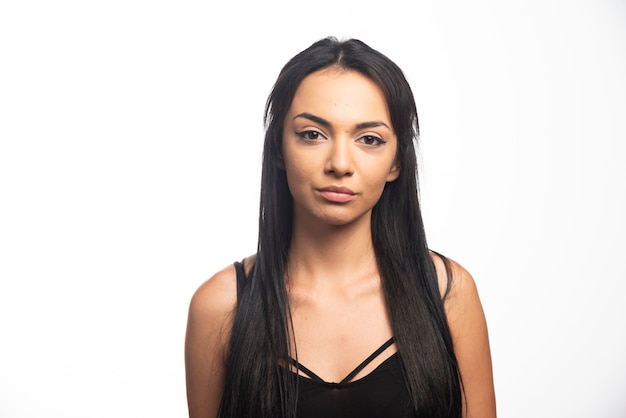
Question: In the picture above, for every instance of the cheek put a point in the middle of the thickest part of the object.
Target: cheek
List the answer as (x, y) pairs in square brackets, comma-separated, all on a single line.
[(377, 185), (299, 166), (376, 181), (297, 177), (377, 172), (294, 171)]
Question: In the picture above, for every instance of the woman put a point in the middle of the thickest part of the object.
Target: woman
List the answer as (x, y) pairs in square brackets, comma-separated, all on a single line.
[(343, 311)]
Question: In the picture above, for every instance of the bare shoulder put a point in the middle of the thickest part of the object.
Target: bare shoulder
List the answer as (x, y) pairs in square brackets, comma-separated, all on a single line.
[(468, 327), (455, 282), (217, 296), (209, 323)]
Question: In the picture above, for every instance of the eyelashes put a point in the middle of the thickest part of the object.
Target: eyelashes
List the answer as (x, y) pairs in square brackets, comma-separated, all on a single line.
[(372, 140), (311, 135)]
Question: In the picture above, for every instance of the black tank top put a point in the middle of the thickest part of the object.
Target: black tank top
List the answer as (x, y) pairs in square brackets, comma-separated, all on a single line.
[(380, 394)]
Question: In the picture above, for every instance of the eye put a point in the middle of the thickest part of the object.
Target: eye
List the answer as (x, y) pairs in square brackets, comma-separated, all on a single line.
[(371, 140), (310, 135)]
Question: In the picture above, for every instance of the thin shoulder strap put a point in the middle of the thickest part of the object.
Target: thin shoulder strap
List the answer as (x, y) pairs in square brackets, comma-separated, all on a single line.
[(368, 360), (306, 370), (241, 277), (349, 377)]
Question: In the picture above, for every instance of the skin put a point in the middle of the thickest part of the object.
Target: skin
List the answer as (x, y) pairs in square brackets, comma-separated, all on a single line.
[(337, 133)]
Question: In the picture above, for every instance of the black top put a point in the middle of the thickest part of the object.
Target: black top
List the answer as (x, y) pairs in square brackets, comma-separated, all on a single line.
[(381, 393)]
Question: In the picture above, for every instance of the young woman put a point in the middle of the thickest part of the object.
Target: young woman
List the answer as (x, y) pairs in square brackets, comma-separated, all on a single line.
[(343, 311)]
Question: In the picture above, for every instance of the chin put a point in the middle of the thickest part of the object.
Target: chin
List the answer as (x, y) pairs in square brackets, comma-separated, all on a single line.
[(335, 216), (341, 219)]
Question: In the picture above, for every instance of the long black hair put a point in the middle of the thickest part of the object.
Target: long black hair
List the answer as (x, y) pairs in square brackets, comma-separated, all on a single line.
[(256, 385)]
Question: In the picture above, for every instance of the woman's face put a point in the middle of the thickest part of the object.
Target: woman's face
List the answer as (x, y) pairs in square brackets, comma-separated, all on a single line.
[(339, 148)]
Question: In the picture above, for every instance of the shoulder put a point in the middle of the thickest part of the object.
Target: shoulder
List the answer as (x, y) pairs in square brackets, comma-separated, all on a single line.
[(213, 303), (455, 282), (468, 328), (209, 323), (216, 295), (460, 294), (219, 292)]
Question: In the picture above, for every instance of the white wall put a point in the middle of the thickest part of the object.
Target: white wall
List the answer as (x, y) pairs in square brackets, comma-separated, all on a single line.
[(129, 167)]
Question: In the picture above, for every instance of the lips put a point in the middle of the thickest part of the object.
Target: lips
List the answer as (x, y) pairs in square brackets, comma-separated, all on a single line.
[(337, 194)]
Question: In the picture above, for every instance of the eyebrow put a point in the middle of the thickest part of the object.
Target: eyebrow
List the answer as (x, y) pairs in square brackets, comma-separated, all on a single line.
[(327, 124)]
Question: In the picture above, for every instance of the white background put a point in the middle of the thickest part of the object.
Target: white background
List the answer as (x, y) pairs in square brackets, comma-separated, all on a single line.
[(131, 134)]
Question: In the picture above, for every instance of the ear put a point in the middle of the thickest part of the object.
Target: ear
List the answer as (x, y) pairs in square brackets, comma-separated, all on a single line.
[(394, 172)]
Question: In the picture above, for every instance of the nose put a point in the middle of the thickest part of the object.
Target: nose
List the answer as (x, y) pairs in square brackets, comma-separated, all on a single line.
[(339, 161)]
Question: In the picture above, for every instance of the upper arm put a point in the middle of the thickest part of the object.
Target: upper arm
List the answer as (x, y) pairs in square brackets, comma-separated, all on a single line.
[(470, 338), (206, 341)]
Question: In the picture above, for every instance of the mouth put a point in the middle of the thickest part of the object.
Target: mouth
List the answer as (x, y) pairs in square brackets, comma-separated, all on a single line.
[(337, 194)]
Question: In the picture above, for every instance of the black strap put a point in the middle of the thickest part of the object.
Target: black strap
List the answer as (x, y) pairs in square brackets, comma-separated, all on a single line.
[(241, 277), (368, 360), (350, 376), (307, 371)]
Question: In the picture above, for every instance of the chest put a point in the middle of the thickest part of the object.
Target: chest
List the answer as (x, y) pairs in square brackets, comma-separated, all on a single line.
[(333, 335)]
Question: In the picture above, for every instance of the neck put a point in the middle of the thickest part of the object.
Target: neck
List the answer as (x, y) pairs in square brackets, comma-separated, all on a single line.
[(330, 252)]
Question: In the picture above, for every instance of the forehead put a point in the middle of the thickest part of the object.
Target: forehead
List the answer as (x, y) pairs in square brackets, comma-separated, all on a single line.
[(338, 92)]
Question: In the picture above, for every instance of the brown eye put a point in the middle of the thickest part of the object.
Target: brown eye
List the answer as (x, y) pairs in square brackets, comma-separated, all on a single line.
[(371, 140), (310, 135)]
